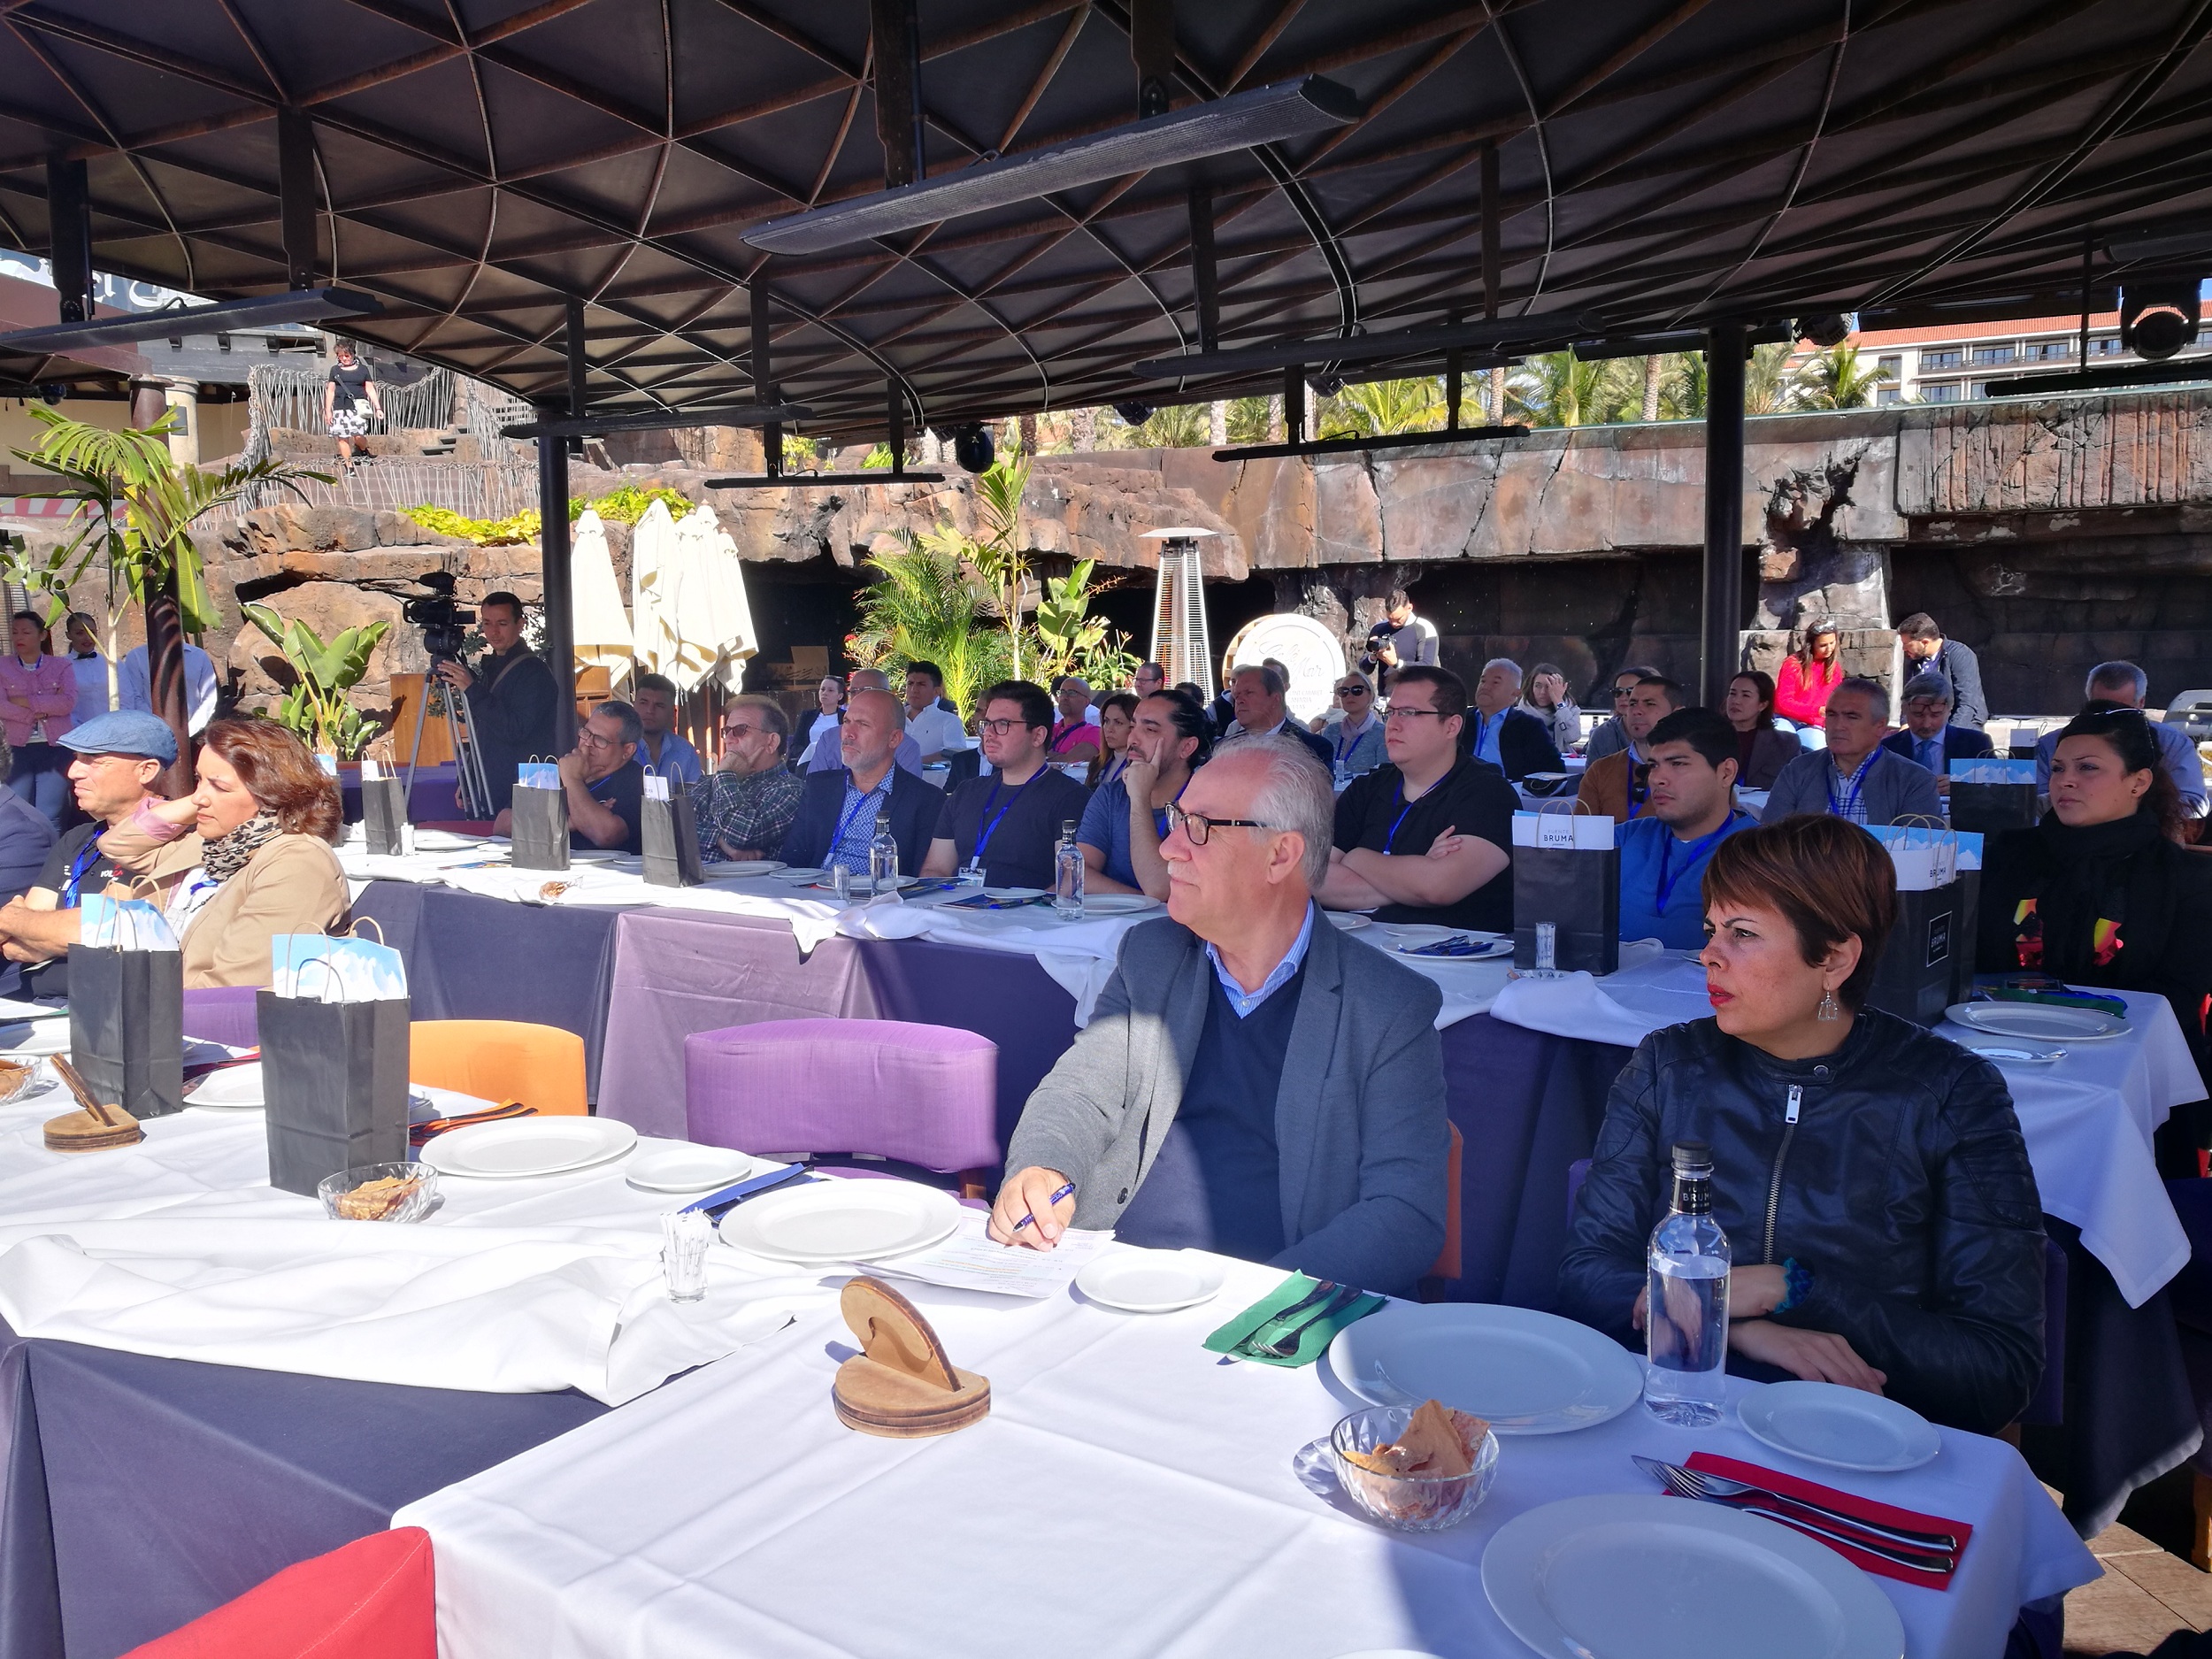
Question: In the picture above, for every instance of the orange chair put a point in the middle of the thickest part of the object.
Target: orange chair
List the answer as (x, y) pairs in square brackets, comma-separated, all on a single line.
[(1446, 1264), (501, 1060), (372, 1599)]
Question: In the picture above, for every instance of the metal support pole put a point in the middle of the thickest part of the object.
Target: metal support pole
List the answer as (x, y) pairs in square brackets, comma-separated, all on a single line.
[(1492, 209), (1152, 49), (554, 546), (296, 195), (897, 37), (69, 240), (1205, 286), (1455, 379), (894, 429), (1721, 614), (763, 376), (1293, 405)]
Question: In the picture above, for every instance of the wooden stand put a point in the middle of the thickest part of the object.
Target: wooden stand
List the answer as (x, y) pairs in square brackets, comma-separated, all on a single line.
[(901, 1385), (82, 1132)]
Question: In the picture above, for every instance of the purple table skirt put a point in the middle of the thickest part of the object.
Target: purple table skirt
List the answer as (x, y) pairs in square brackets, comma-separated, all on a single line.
[(429, 802)]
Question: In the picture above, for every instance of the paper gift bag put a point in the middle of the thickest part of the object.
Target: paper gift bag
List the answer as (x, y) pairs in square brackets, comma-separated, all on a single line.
[(1966, 912), (335, 1076), (1567, 871), (538, 827), (126, 1026), (670, 836), (1990, 796), (383, 813), (1917, 972)]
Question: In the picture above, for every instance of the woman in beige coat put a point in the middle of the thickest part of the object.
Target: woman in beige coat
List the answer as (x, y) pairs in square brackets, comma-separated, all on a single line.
[(263, 822)]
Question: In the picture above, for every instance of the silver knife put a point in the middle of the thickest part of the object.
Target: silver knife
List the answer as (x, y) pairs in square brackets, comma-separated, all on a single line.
[(1711, 1488), (1321, 1292)]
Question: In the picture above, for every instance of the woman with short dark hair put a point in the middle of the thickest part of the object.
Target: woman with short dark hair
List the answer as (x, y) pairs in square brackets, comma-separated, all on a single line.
[(1761, 751), (264, 817), (1870, 1177)]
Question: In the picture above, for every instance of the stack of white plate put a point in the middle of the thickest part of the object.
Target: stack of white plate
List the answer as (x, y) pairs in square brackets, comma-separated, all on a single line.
[(825, 1222), (515, 1148)]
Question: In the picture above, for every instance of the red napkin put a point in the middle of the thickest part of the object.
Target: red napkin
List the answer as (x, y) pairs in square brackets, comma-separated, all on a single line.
[(1846, 1503), (202, 1068)]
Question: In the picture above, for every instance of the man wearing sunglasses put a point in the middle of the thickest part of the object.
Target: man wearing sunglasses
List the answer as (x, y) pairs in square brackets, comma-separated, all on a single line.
[(1611, 735), (745, 806), (1251, 1082), (1355, 742), (1008, 825)]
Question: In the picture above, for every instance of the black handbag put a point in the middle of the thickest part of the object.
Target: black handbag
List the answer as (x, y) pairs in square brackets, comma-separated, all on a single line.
[(335, 1076), (383, 813), (126, 1026), (537, 829), (670, 837), (1575, 888)]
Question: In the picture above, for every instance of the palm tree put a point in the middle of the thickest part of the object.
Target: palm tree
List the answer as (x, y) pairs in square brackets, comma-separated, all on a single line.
[(997, 555), (1560, 390), (1769, 384), (1251, 420), (1682, 387), (1373, 409), (1835, 379), (923, 607)]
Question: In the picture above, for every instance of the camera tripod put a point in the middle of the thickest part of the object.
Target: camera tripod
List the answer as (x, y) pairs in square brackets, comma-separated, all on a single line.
[(461, 732)]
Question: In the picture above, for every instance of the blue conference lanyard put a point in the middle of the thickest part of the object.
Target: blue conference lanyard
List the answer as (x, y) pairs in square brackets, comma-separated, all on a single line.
[(853, 811), (1159, 813), (1342, 746), (983, 836), (1858, 781), (1405, 806), (87, 856), (1698, 849)]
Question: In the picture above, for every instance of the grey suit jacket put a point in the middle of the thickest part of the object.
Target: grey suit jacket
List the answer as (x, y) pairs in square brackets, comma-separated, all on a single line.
[(1894, 789), (1360, 1129)]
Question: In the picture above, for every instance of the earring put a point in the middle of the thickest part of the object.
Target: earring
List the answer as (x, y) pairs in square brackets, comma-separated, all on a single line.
[(1829, 1009)]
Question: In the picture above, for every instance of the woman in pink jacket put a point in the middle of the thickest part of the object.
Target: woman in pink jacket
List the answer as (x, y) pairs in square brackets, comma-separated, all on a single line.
[(38, 690)]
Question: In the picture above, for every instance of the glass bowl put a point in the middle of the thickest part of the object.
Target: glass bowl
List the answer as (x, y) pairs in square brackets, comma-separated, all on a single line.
[(406, 1192), (18, 1077), (1408, 1503)]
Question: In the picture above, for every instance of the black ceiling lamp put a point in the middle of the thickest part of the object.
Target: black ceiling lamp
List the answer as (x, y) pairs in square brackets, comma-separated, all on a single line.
[(971, 447), (1134, 414), (2158, 318), (1825, 329), (1242, 120)]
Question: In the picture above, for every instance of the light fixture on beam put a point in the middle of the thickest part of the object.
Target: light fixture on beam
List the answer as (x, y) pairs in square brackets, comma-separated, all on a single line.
[(1679, 339), (1242, 120), (2120, 377), (1523, 332), (658, 421), (297, 305), (824, 480)]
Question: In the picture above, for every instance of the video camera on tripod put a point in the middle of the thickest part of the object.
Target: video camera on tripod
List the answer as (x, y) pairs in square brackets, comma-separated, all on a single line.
[(443, 621), (444, 625)]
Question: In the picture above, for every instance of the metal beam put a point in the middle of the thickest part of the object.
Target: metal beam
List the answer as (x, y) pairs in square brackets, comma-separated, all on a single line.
[(2118, 377), (554, 546), (763, 375), (1351, 446), (896, 37), (69, 236), (304, 305), (556, 426), (823, 480), (1721, 619), (1519, 333), (296, 194), (1205, 284)]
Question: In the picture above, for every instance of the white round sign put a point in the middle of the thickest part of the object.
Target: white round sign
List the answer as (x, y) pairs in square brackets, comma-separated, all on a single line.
[(1314, 656)]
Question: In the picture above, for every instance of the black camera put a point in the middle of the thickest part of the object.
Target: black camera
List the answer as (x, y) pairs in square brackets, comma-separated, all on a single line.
[(445, 623), (1376, 635)]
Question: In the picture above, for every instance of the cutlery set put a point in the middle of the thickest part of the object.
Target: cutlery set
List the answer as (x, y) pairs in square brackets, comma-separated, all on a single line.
[(1935, 1554)]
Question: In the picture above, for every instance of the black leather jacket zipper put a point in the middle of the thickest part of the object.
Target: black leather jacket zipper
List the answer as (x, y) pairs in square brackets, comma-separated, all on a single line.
[(1782, 1152)]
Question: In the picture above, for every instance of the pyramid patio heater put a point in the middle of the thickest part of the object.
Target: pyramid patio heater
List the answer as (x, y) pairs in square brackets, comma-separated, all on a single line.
[(1178, 613)]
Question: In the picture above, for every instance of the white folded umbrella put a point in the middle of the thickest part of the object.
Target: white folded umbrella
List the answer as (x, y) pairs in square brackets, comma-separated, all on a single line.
[(597, 621)]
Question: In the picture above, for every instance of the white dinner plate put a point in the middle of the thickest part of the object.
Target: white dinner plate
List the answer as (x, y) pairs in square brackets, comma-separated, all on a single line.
[(1484, 950), (13, 1010), (1427, 932), (234, 1088), (1845, 1428), (1526, 1372), (1634, 1576), (1117, 903), (2017, 1051), (430, 841), (1013, 893), (2036, 1019), (830, 1221), (1349, 921), (682, 1166), (1153, 1281), (24, 1037), (752, 867), (810, 873), (515, 1147)]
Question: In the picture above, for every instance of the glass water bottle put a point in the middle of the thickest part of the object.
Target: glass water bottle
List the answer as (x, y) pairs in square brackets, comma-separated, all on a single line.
[(1686, 1328), (1067, 876)]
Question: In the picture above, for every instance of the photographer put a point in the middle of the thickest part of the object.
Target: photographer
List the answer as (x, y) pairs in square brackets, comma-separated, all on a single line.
[(1399, 640), (511, 696)]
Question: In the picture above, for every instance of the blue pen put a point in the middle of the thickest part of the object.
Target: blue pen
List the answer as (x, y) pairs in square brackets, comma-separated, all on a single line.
[(1065, 1192)]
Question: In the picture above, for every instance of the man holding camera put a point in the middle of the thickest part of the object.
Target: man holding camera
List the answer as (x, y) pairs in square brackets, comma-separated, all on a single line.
[(1399, 640), (512, 697)]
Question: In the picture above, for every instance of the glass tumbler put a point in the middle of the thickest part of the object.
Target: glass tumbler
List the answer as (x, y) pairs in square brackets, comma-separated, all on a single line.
[(686, 1237)]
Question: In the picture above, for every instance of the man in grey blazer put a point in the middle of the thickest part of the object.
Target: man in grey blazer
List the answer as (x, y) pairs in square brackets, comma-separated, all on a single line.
[(1252, 1081), (1855, 777)]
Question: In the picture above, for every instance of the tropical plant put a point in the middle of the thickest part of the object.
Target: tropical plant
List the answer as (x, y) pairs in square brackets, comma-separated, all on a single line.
[(1682, 387), (995, 555), (1836, 379), (315, 705), (1372, 409), (1072, 640), (1559, 389), (626, 503), (924, 607), (1251, 420), (139, 508), (1769, 385)]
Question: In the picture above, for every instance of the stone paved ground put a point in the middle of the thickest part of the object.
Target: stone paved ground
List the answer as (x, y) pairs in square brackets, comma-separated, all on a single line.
[(2145, 1595)]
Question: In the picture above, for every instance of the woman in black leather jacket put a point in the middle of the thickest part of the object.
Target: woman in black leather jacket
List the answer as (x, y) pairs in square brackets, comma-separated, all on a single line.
[(1870, 1177)]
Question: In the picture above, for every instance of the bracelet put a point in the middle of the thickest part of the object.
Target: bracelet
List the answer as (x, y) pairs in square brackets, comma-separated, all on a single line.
[(1797, 1283)]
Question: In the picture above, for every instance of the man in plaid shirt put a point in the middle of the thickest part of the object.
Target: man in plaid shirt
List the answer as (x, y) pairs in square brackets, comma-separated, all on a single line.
[(744, 806)]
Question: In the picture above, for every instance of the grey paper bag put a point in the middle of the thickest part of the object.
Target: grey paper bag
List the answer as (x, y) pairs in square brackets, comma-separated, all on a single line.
[(670, 837), (383, 813), (335, 1075), (1578, 890), (538, 830), (126, 1026)]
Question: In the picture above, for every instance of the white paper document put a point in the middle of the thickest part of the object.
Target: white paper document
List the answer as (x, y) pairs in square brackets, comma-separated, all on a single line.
[(969, 1260)]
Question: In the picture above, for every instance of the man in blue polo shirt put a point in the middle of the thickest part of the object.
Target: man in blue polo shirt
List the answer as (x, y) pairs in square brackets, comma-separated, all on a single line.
[(1691, 810)]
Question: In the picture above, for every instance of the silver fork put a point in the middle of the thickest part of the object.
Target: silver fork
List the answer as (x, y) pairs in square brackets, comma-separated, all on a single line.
[(1920, 1556), (1283, 1347)]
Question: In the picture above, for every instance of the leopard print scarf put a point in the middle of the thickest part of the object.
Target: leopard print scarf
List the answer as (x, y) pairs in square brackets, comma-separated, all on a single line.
[(227, 854)]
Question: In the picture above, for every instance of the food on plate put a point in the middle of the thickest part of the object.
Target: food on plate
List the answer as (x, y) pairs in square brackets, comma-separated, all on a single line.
[(553, 890), (1439, 1443), (373, 1200), (13, 1076)]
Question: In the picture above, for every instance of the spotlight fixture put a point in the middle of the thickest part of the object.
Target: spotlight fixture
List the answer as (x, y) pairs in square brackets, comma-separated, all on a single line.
[(1243, 120), (53, 392), (1326, 385), (1825, 329), (971, 447), (2158, 318), (1134, 414)]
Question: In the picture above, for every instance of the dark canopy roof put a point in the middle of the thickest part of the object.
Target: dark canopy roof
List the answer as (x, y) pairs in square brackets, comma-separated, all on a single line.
[(1661, 161)]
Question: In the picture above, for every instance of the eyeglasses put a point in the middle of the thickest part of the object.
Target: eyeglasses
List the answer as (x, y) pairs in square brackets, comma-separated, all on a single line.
[(999, 728), (1409, 714), (1198, 826), (587, 735), (1351, 691), (735, 732)]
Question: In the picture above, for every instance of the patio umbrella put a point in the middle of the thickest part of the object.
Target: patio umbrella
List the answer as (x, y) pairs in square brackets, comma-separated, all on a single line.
[(717, 617), (655, 605), (600, 626)]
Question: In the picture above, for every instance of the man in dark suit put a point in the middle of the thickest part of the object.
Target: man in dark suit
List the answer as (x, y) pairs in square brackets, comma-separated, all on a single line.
[(1257, 691), (1500, 732), (1929, 739), (837, 814)]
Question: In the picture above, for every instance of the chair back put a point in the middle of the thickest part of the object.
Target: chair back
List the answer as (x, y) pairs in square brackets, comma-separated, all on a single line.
[(502, 1059), (375, 1598), (1447, 1266), (223, 1013), (961, 766), (924, 1094)]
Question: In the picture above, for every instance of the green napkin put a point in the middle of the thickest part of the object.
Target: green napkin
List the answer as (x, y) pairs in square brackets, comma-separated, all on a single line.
[(1260, 1319)]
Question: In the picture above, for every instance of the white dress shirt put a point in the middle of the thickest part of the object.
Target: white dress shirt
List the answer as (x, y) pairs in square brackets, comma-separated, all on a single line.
[(199, 686), (936, 732)]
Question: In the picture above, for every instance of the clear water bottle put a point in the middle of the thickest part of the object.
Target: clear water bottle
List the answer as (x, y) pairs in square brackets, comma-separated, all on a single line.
[(1067, 876), (883, 856), (1686, 1330)]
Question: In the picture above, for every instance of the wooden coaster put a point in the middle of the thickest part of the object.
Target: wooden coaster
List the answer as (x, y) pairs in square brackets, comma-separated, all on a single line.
[(901, 1385), (81, 1132)]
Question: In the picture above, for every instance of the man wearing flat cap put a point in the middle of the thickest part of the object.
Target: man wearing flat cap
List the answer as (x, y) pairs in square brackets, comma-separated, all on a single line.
[(118, 761)]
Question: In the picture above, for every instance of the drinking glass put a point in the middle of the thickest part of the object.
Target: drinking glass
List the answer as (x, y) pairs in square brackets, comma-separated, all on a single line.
[(686, 1236)]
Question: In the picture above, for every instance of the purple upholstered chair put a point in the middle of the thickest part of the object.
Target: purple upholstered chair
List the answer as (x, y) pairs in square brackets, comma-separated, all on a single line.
[(223, 1013), (925, 1095)]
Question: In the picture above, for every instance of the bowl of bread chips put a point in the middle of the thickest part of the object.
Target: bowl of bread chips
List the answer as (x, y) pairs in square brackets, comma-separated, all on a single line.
[(378, 1191), (1419, 1469)]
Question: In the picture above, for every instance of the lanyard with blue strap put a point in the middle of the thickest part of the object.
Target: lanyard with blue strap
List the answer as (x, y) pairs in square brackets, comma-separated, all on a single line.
[(1698, 849), (1342, 746), (1858, 782), (845, 823), (81, 866), (983, 836), (1406, 806)]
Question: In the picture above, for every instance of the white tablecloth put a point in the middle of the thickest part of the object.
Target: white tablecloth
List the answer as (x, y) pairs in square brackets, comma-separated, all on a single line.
[(2088, 1119), (1130, 1494)]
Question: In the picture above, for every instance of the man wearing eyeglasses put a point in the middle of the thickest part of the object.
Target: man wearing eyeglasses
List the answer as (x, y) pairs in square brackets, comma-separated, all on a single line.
[(1427, 837), (1008, 825), (605, 784), (1611, 735), (1355, 742), (745, 806), (1251, 1082)]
